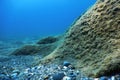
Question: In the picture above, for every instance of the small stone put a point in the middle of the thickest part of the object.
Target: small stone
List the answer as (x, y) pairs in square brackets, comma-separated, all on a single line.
[(38, 67), (66, 63), (113, 78), (27, 70), (103, 78), (33, 69), (14, 75), (46, 77), (77, 72), (65, 68), (60, 67), (71, 67), (16, 71), (66, 78), (58, 76)]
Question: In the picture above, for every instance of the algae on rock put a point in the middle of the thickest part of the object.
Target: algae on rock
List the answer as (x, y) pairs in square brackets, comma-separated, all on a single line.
[(43, 47), (93, 41)]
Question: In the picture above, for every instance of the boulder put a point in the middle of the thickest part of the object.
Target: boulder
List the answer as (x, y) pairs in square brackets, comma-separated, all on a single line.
[(48, 40), (43, 47), (27, 50), (93, 42), (42, 50)]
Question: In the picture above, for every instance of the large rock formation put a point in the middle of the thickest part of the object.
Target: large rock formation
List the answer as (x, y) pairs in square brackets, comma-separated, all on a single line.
[(48, 40), (43, 47), (93, 41)]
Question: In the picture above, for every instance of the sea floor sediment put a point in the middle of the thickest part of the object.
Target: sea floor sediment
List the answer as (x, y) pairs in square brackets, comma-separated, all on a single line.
[(48, 72)]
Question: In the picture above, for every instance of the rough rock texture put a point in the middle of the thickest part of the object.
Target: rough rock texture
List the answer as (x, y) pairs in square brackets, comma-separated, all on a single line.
[(48, 40), (27, 50), (43, 47), (93, 41)]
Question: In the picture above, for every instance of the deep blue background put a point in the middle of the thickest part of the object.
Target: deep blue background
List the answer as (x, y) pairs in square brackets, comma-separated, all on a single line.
[(26, 18)]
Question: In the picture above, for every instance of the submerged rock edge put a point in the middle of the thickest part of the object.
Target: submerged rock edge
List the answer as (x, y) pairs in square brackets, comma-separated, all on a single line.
[(93, 41)]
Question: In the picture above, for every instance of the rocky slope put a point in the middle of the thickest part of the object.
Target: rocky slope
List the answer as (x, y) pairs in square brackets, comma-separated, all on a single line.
[(93, 42), (43, 47)]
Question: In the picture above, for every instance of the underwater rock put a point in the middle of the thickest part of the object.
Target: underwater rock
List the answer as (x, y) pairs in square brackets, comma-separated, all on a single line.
[(27, 50), (93, 42), (42, 50), (44, 47), (66, 63), (48, 40), (58, 76)]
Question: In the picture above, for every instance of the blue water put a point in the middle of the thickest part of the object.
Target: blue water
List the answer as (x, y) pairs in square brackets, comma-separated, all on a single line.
[(26, 18)]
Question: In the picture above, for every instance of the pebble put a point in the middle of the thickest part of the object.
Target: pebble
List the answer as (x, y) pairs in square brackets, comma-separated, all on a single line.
[(113, 78), (66, 63), (96, 78), (50, 72), (66, 78), (58, 76)]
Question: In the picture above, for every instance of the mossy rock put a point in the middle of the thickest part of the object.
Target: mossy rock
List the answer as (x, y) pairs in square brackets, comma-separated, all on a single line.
[(48, 40), (93, 41), (42, 50), (27, 50)]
